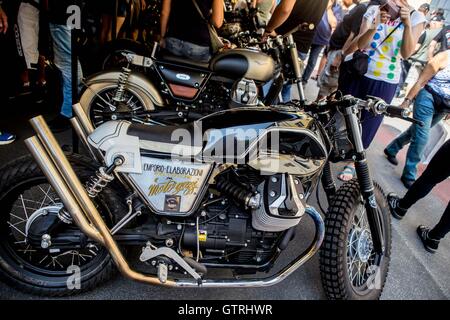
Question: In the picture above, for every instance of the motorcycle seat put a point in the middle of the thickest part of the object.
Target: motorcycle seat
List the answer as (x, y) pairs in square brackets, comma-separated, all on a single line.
[(166, 139), (165, 56)]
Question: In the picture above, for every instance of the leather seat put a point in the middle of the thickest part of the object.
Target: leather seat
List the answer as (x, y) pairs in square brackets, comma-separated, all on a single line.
[(165, 56)]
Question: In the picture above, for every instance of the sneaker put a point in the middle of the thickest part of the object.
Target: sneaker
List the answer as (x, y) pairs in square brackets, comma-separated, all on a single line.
[(59, 124), (407, 183), (393, 201), (392, 159), (6, 138), (430, 245)]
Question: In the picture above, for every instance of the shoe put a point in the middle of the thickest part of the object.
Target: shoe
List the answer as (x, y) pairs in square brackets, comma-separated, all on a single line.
[(430, 245), (59, 124), (392, 159), (393, 201), (407, 183), (6, 138)]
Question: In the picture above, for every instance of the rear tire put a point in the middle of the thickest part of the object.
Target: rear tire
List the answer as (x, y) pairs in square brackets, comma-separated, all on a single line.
[(345, 245), (35, 276)]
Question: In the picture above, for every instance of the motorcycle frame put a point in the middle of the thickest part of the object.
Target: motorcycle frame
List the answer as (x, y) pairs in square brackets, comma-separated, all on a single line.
[(60, 174)]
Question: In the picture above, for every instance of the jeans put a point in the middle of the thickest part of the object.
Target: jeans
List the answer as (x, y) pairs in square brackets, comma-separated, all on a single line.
[(314, 53), (437, 171), (415, 135), (62, 47), (188, 50), (286, 93)]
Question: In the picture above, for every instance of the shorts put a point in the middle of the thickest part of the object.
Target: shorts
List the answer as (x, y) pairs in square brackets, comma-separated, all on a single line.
[(28, 24), (328, 79)]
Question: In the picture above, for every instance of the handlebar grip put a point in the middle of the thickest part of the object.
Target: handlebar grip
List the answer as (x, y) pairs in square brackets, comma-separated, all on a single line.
[(398, 112)]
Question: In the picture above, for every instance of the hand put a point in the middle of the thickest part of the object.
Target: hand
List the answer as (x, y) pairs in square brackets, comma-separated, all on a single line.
[(406, 104), (162, 42), (143, 5), (268, 34), (381, 17), (3, 21), (405, 16)]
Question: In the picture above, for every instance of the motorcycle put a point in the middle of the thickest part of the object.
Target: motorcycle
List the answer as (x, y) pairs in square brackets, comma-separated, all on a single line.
[(228, 191), (158, 88)]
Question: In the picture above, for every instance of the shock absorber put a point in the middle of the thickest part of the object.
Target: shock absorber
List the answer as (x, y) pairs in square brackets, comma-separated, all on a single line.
[(121, 85), (102, 178), (239, 193)]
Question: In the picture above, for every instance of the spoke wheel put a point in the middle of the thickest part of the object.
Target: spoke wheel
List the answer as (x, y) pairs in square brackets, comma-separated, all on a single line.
[(350, 268), (26, 198)]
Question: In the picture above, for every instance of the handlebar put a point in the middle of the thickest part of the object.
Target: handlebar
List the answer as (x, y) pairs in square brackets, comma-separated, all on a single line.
[(376, 106)]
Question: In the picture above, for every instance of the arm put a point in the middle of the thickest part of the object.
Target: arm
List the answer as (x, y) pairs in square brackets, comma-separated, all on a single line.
[(432, 49), (280, 15), (165, 14), (410, 34), (436, 64), (3, 21), (217, 13), (332, 20), (369, 28)]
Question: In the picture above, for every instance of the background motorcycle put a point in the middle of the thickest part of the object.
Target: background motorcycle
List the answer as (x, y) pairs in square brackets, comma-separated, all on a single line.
[(229, 210)]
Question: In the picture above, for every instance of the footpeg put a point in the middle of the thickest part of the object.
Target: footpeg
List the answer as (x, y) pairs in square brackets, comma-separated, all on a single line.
[(162, 272), (150, 252)]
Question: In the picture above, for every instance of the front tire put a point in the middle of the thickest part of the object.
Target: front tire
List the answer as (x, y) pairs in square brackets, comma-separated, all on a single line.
[(349, 268)]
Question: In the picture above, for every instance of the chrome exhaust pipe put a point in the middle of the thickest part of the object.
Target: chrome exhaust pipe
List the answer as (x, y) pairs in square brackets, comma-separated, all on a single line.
[(56, 155), (83, 138), (83, 118), (59, 185)]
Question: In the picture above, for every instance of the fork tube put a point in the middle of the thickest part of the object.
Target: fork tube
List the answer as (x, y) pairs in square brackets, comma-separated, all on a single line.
[(296, 66), (364, 178)]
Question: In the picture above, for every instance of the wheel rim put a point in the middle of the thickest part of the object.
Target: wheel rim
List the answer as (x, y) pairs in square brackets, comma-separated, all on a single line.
[(22, 204), (362, 262), (100, 110)]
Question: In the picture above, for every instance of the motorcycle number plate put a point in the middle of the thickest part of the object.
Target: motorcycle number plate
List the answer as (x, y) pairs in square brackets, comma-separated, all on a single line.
[(172, 187)]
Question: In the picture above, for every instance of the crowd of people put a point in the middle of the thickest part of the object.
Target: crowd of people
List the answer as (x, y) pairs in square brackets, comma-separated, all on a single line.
[(382, 48)]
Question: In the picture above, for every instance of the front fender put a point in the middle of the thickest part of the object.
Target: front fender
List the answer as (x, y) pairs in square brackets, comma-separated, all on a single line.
[(135, 80)]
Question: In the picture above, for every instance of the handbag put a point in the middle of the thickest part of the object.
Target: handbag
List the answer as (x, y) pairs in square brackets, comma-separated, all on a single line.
[(359, 64), (216, 42)]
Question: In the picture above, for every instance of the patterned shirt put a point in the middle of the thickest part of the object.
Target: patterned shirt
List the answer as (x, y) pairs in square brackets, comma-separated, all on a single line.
[(384, 59), (440, 83)]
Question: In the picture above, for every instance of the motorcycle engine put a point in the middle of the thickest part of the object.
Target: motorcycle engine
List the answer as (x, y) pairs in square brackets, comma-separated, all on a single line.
[(243, 220)]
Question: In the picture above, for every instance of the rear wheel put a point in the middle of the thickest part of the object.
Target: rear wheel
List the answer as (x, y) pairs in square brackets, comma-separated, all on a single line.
[(27, 199), (350, 269)]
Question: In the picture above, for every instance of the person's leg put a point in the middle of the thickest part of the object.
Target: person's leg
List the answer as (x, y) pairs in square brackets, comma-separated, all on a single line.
[(423, 111), (61, 36), (398, 143), (443, 226), (323, 62), (312, 61), (436, 172)]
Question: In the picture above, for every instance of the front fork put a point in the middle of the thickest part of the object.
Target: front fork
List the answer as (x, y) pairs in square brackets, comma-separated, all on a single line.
[(364, 178), (297, 70)]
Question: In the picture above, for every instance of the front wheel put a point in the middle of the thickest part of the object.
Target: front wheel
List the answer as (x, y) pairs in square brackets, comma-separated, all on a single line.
[(350, 269)]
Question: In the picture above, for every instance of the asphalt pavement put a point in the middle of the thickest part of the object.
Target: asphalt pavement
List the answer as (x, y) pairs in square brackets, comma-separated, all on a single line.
[(414, 273)]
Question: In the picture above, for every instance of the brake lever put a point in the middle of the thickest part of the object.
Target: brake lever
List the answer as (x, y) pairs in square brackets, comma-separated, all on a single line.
[(415, 121)]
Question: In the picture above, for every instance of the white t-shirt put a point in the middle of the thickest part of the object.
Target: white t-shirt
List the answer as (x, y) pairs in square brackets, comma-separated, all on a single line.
[(384, 60)]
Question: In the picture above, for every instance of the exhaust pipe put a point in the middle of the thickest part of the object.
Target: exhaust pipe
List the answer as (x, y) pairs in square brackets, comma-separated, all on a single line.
[(54, 154), (83, 118), (83, 138)]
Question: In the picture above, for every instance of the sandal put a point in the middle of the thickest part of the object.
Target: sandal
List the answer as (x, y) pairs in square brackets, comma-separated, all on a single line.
[(348, 170)]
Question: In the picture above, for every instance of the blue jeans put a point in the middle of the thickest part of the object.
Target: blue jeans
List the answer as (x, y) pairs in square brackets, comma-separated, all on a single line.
[(62, 47), (286, 93), (314, 54), (415, 135), (188, 50)]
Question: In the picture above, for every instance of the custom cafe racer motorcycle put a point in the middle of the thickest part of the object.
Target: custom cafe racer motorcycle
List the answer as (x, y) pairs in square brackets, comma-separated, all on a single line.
[(229, 191)]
